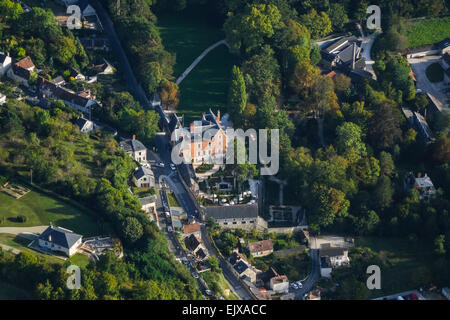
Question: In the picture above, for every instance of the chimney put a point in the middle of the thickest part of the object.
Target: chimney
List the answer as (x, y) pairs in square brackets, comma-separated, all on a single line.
[(192, 127), (134, 137), (218, 116)]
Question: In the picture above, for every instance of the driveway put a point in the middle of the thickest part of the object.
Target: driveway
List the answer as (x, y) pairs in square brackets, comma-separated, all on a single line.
[(23, 231), (419, 65)]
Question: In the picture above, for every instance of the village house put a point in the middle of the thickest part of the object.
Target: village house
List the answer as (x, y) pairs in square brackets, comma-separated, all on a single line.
[(194, 244), (208, 139), (332, 257), (5, 63), (60, 240), (148, 204), (84, 124), (2, 99), (422, 184), (242, 216), (134, 148), (279, 284), (77, 75), (59, 81), (260, 248), (418, 122), (104, 68), (22, 70), (244, 270), (82, 101), (192, 229), (143, 177)]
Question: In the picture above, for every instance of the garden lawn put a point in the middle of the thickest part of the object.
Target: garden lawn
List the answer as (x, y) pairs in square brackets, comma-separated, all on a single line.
[(21, 244), (402, 259), (187, 34), (428, 31), (295, 266), (217, 283), (79, 260), (434, 72), (40, 210)]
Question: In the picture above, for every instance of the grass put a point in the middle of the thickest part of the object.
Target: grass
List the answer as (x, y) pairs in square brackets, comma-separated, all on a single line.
[(295, 266), (428, 31), (21, 244), (217, 283), (434, 72), (172, 200), (79, 260), (402, 259), (187, 34), (10, 292), (41, 210)]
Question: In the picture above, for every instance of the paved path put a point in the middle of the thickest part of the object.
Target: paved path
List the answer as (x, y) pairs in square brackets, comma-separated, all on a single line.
[(367, 43), (199, 58), (108, 26), (8, 248), (19, 230)]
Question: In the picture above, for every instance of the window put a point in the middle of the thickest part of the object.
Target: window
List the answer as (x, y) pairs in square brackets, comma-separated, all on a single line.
[(244, 222), (225, 223), (234, 222), (252, 221)]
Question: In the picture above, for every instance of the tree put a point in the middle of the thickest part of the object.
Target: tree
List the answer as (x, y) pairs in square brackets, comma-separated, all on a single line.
[(318, 24), (384, 129), (338, 16), (326, 205), (248, 29), (170, 95), (349, 137), (439, 243), (132, 229), (367, 170), (303, 77), (386, 164), (383, 193), (237, 96), (441, 151)]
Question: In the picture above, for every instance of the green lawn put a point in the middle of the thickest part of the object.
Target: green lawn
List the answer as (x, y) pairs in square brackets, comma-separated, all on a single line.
[(9, 292), (187, 34), (428, 31), (217, 283), (172, 200), (434, 72), (41, 210), (79, 259), (21, 244), (402, 259)]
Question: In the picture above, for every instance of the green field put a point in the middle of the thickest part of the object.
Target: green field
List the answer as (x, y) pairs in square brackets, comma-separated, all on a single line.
[(187, 34), (402, 259), (21, 244), (428, 31), (42, 210)]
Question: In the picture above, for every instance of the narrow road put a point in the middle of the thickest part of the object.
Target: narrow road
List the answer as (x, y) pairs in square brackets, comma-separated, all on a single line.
[(199, 58), (313, 277), (108, 27)]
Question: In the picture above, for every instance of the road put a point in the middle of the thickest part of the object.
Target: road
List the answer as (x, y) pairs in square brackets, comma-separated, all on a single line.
[(313, 277), (116, 46)]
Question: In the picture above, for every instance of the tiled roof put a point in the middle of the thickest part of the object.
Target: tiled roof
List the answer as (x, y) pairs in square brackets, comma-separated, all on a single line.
[(191, 228), (25, 63), (258, 246)]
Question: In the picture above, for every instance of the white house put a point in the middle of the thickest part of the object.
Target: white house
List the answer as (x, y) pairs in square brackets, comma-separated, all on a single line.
[(2, 99), (332, 257), (279, 284), (85, 124), (143, 177), (135, 149), (148, 204), (5, 63), (22, 70), (60, 239)]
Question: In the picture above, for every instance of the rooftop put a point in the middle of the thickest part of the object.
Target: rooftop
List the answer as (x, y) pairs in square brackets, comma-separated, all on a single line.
[(147, 200), (258, 246), (191, 228), (230, 212), (60, 236), (332, 251), (142, 172)]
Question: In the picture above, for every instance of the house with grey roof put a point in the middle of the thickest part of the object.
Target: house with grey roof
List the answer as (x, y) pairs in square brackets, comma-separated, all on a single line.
[(148, 204), (242, 216), (60, 240), (84, 124), (5, 63), (143, 177), (134, 148)]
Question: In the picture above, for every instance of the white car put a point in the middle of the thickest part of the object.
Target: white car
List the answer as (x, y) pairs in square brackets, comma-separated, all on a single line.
[(299, 284), (169, 229), (294, 286), (172, 166)]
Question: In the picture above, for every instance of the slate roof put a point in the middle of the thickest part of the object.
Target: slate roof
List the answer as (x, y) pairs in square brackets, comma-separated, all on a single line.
[(240, 267), (60, 236), (192, 242), (81, 122), (230, 212), (141, 172), (2, 57), (339, 43), (147, 200), (332, 251), (132, 145)]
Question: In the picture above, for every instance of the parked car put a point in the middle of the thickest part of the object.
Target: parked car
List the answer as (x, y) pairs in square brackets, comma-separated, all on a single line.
[(208, 292), (169, 229), (185, 260), (195, 275), (299, 284), (172, 166)]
